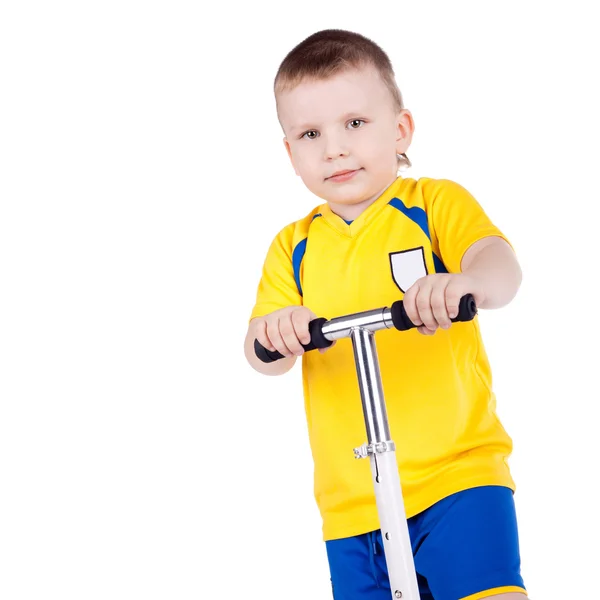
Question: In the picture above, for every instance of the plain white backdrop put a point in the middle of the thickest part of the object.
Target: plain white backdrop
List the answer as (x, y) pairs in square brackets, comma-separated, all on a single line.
[(142, 178)]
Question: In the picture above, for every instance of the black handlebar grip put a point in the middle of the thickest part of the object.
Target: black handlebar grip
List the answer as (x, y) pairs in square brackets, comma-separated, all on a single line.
[(317, 340), (466, 312)]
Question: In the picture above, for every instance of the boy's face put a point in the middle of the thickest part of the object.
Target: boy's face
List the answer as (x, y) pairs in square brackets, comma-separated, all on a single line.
[(346, 124)]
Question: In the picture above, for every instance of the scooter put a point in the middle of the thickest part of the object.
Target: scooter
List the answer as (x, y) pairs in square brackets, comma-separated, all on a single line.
[(380, 449)]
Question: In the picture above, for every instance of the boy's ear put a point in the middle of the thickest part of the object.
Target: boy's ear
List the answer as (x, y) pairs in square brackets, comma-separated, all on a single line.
[(289, 151), (405, 127)]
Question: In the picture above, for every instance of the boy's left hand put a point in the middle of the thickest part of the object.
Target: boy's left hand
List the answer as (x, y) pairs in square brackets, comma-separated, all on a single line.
[(433, 300)]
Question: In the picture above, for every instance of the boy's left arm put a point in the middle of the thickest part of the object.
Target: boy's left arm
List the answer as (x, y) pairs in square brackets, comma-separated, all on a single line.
[(493, 266), (477, 257), (489, 270)]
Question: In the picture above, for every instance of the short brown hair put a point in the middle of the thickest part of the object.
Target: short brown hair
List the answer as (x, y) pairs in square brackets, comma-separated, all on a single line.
[(331, 51)]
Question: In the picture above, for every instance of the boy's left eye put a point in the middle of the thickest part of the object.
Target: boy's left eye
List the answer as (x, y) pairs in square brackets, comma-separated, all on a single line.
[(356, 123)]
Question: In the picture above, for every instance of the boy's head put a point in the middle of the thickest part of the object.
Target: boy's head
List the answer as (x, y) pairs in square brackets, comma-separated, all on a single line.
[(341, 110)]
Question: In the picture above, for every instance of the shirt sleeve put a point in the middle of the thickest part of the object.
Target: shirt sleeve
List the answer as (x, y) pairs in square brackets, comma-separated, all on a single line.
[(277, 287), (456, 221)]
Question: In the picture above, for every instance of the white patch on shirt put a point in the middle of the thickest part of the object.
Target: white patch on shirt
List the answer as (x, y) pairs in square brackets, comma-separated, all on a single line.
[(408, 266)]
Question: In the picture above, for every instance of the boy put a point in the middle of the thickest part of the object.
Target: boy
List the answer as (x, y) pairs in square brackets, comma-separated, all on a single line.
[(378, 238)]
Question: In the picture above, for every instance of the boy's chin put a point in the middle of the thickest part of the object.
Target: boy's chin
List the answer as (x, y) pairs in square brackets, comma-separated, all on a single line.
[(343, 194), (348, 197)]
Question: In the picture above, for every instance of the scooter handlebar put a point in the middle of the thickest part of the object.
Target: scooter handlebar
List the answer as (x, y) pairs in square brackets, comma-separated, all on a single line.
[(466, 312)]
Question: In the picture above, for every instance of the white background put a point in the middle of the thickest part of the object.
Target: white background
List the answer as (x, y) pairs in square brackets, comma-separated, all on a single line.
[(142, 178)]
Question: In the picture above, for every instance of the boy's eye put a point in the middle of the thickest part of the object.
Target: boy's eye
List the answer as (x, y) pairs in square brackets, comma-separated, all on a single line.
[(356, 123), (311, 135)]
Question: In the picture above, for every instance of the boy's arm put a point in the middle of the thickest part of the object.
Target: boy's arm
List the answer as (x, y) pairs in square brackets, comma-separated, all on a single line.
[(277, 290), (492, 262), (476, 256)]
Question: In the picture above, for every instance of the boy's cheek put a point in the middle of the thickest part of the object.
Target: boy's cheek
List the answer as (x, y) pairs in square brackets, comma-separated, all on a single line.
[(304, 170)]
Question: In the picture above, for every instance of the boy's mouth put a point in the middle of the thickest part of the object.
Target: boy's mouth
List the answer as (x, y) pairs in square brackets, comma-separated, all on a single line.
[(344, 175)]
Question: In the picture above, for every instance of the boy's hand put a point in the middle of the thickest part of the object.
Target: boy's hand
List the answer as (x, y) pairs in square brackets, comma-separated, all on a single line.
[(285, 330), (433, 300)]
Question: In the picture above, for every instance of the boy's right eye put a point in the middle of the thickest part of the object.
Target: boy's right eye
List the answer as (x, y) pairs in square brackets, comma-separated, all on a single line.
[(310, 135)]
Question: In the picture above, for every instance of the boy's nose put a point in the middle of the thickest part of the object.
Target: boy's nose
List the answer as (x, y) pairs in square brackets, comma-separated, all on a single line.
[(335, 148)]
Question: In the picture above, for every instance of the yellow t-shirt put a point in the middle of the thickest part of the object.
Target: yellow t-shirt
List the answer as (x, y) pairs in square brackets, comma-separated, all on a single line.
[(437, 389)]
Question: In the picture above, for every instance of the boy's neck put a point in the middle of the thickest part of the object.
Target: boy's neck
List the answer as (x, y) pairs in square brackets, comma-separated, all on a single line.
[(350, 212)]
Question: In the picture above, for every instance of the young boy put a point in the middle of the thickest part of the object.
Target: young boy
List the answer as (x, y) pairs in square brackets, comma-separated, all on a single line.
[(377, 238)]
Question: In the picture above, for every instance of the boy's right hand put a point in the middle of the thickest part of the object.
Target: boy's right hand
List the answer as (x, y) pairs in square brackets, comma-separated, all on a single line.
[(285, 330)]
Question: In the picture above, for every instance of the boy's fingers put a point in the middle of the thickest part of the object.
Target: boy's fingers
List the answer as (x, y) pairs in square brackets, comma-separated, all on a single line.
[(300, 321), (425, 331), (289, 336), (262, 337), (410, 305), (277, 339), (424, 308), (453, 297), (438, 304)]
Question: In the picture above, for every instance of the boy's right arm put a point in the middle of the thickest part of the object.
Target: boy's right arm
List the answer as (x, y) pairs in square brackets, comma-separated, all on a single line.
[(283, 330)]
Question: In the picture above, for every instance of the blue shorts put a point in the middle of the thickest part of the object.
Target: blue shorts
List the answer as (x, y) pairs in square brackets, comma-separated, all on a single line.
[(465, 546)]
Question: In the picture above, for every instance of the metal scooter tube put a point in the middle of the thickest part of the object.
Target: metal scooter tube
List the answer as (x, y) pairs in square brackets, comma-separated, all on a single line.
[(384, 469)]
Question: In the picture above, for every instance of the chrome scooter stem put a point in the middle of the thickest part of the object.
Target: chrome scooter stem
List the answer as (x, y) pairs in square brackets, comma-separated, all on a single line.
[(380, 449)]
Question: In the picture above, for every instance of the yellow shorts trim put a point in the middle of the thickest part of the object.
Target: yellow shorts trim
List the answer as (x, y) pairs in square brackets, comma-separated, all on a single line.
[(494, 591)]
